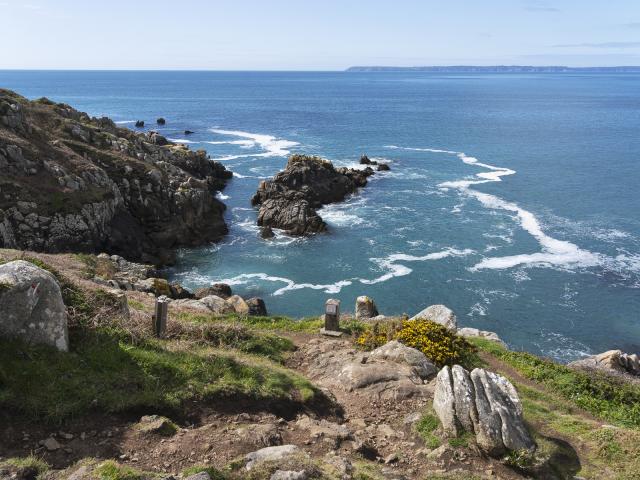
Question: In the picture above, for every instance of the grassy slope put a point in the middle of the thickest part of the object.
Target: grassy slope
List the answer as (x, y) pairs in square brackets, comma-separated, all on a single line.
[(588, 422)]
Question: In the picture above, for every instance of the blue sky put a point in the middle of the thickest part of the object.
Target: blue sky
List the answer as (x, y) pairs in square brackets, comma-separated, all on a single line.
[(316, 35)]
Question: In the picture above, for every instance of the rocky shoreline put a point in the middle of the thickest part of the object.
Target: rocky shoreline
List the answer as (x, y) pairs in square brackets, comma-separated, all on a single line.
[(73, 183), (289, 201)]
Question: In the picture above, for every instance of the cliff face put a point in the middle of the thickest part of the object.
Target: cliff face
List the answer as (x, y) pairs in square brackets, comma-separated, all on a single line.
[(289, 201), (69, 182)]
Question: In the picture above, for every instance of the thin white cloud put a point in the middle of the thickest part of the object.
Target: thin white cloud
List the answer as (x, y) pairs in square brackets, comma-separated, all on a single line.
[(599, 45), (539, 6)]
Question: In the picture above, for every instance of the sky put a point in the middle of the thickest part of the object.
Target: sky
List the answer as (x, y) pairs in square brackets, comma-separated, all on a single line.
[(315, 34)]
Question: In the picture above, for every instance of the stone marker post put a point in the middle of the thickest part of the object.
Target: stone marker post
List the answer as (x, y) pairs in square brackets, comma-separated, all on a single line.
[(160, 316), (332, 318)]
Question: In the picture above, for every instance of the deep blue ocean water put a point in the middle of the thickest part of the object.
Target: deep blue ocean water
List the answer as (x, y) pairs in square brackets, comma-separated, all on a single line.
[(514, 199)]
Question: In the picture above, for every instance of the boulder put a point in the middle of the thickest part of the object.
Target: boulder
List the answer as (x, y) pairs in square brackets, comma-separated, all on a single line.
[(31, 305), (191, 305), (269, 454), (238, 304), (482, 403), (474, 332), (161, 121), (257, 307), (198, 476), (156, 425), (438, 314), (260, 435), (179, 292), (217, 305), (289, 475), (140, 123), (397, 352), (221, 290), (365, 308), (383, 167), (612, 361), (336, 364), (188, 132), (323, 429)]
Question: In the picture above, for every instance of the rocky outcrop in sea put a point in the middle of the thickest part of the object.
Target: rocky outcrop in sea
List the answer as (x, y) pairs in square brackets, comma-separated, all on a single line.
[(69, 182), (289, 200)]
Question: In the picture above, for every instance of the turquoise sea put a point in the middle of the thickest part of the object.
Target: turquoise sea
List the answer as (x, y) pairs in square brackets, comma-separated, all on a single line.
[(512, 198)]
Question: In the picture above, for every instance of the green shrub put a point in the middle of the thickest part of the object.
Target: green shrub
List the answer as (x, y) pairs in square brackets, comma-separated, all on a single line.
[(438, 343), (425, 427)]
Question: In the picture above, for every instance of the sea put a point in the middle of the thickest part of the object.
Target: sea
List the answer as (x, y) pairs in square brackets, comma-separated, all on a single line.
[(512, 198)]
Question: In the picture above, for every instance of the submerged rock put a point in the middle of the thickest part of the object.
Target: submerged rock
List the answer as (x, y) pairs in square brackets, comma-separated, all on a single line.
[(161, 121), (140, 123), (31, 305), (289, 200)]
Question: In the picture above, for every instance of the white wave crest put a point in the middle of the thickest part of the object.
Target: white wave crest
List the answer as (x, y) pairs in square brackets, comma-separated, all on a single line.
[(398, 270), (181, 140), (124, 122), (554, 251), (274, 147)]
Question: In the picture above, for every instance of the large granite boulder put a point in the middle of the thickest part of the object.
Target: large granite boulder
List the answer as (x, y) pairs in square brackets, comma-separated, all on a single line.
[(217, 305), (221, 290), (269, 454), (397, 352), (392, 372), (289, 200), (257, 307), (613, 361), (365, 308), (439, 314), (469, 332), (238, 304), (482, 403), (31, 305)]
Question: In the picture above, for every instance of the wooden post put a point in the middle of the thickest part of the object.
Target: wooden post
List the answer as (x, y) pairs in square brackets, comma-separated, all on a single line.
[(160, 316), (332, 318)]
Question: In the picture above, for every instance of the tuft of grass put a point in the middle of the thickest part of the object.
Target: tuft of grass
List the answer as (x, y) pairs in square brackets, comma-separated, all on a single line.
[(460, 442), (213, 472), (107, 373), (425, 427), (136, 305), (34, 465), (605, 397), (110, 470), (97, 267)]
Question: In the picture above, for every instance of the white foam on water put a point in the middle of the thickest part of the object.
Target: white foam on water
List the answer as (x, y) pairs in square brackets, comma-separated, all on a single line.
[(222, 196), (396, 269), (124, 122), (273, 146), (181, 140), (554, 251)]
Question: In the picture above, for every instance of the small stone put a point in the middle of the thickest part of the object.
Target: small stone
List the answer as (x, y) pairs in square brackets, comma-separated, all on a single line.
[(51, 444), (393, 458)]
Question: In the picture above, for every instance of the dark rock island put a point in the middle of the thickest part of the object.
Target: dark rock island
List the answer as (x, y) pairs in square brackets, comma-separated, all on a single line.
[(69, 182), (289, 201)]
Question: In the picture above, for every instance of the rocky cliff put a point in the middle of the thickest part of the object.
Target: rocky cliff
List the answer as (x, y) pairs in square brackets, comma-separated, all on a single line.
[(289, 201), (69, 182)]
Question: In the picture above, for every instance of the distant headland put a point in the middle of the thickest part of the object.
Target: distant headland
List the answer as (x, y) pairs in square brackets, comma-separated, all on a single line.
[(497, 69)]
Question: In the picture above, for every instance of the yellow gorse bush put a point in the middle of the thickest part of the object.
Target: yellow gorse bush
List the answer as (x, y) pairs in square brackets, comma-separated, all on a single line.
[(438, 343)]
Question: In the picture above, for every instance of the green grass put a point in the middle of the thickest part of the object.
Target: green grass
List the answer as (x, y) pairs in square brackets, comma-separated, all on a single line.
[(110, 470), (31, 462), (275, 323), (105, 372), (425, 428), (461, 441), (213, 472), (603, 396)]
